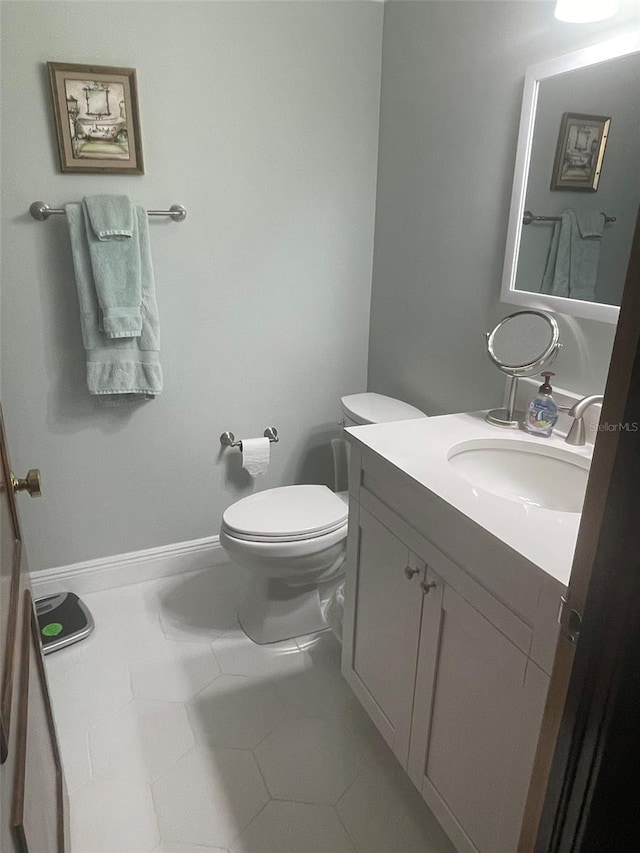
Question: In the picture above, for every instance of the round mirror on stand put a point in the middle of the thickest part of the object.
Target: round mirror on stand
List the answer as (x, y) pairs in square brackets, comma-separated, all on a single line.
[(521, 345)]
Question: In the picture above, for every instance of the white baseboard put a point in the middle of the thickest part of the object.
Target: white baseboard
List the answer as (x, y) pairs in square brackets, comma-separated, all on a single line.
[(135, 567)]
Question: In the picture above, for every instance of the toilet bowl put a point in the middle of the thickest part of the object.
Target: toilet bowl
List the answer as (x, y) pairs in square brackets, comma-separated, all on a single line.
[(292, 539)]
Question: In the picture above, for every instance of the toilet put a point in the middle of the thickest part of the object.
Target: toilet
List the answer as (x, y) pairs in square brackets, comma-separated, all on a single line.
[(292, 539)]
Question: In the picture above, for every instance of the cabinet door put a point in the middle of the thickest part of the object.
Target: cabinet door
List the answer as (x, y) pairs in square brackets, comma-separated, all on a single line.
[(477, 712), (383, 606)]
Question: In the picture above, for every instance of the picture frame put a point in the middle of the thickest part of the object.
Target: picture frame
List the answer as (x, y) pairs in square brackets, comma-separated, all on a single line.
[(580, 152), (96, 118)]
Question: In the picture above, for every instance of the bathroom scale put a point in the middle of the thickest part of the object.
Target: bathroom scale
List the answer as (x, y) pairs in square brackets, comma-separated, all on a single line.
[(63, 619)]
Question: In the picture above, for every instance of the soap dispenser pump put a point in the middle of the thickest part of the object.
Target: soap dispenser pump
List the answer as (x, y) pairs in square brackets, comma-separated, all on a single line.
[(542, 412)]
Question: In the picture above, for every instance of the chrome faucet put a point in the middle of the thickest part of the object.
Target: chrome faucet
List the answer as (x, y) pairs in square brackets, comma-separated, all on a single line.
[(576, 434)]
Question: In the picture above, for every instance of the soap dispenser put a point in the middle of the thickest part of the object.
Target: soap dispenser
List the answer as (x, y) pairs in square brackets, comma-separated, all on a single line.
[(542, 412)]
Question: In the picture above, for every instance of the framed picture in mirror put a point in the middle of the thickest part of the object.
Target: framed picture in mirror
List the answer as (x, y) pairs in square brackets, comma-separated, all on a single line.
[(581, 144)]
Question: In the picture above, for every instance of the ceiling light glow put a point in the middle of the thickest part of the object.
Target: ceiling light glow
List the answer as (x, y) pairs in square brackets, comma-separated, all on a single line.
[(585, 11)]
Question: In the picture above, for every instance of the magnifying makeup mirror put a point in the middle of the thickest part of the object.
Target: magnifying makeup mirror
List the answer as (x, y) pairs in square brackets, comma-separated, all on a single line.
[(521, 345)]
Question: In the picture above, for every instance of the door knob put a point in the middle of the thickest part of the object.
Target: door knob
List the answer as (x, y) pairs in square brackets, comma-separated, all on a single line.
[(31, 483), (409, 572), (427, 586)]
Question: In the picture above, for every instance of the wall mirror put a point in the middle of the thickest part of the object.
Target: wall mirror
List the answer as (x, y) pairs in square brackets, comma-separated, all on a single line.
[(576, 187)]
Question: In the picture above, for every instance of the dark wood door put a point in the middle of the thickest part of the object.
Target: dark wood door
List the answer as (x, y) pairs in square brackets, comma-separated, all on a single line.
[(33, 807), (10, 581), (583, 794)]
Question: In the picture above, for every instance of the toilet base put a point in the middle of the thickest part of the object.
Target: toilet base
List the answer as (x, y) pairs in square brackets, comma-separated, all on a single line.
[(273, 611)]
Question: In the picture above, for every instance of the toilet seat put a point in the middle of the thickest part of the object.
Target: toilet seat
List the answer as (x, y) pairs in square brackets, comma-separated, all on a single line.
[(277, 540), (286, 514), (290, 549)]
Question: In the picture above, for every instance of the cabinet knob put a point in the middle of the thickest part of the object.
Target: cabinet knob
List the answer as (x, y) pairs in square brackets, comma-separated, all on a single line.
[(427, 586), (30, 483), (409, 572)]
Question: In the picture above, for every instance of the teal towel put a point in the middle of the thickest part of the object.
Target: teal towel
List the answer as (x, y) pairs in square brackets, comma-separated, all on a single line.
[(113, 238), (590, 224), (119, 369), (111, 216), (572, 264)]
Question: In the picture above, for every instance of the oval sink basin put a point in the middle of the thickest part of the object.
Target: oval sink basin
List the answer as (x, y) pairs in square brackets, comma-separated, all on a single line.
[(547, 477)]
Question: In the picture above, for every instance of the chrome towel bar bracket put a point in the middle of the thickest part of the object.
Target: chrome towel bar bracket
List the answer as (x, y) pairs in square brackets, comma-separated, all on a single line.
[(228, 439)]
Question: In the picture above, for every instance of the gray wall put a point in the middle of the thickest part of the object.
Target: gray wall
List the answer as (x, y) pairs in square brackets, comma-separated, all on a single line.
[(262, 119), (452, 81)]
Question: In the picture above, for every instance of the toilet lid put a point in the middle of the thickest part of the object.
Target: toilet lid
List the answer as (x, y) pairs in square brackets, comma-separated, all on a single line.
[(285, 513)]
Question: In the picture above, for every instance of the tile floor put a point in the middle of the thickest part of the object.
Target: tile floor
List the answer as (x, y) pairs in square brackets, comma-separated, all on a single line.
[(179, 735)]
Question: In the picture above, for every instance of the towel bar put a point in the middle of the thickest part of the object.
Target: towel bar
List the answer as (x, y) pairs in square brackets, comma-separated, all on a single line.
[(528, 218), (41, 211), (228, 439)]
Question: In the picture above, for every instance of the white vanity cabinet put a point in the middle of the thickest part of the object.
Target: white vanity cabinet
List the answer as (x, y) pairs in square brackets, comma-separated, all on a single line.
[(476, 716), (386, 634), (444, 667)]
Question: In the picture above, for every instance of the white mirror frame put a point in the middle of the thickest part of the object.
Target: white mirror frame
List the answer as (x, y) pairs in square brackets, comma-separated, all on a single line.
[(620, 46)]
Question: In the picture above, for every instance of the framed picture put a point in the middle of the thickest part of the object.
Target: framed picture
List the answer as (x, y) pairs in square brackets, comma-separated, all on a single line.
[(96, 116), (580, 152)]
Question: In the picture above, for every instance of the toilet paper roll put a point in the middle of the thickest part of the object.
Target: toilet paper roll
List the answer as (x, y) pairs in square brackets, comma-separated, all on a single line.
[(255, 455)]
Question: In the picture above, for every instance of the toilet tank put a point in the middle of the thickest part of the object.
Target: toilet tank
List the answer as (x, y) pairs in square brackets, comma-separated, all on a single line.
[(371, 408)]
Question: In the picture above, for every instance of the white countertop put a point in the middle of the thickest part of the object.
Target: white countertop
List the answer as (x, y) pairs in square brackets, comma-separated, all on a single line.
[(420, 449)]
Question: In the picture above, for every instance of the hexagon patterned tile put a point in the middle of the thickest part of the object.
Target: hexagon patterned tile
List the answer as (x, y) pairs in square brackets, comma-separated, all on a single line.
[(238, 655), (295, 828), (141, 740), (108, 817), (209, 797), (176, 674), (383, 811), (235, 711), (124, 629), (319, 689), (86, 694), (180, 735), (309, 760)]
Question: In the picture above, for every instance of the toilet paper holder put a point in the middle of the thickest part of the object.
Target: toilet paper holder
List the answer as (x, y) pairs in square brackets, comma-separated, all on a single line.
[(228, 439)]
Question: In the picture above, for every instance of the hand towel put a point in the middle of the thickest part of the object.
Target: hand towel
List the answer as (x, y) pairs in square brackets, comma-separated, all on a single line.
[(590, 224), (111, 216), (118, 369), (113, 237), (574, 253)]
